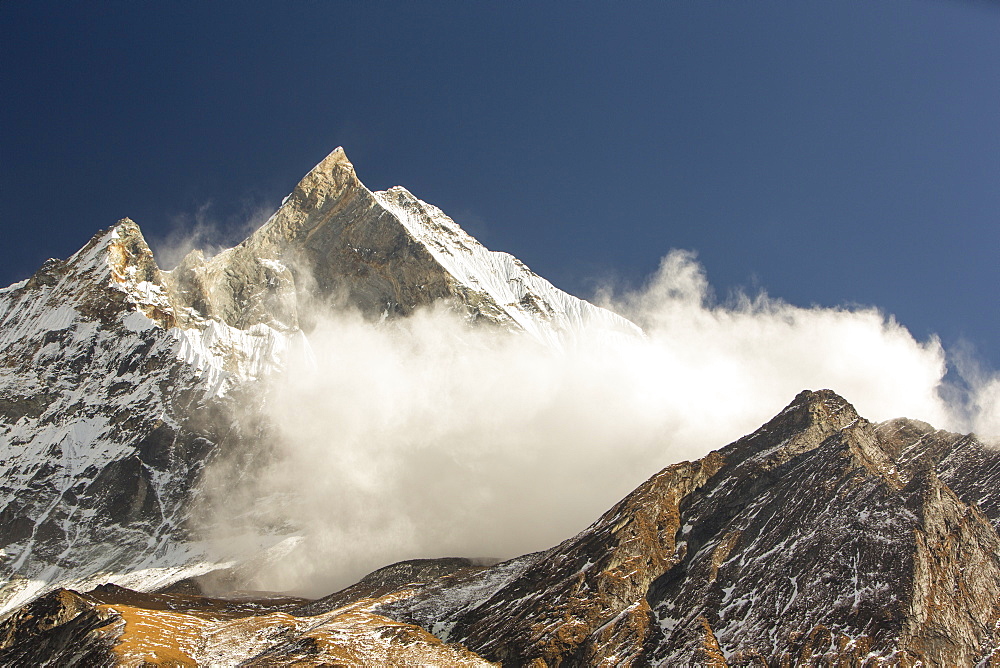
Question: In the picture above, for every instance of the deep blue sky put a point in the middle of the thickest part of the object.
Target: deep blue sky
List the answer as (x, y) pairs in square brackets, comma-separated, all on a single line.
[(829, 152)]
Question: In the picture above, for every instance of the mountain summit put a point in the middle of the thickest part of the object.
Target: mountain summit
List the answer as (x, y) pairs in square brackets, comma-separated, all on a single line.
[(384, 253), (820, 538)]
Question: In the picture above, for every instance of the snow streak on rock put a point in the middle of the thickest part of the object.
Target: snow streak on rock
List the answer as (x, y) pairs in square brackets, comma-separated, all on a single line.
[(819, 538)]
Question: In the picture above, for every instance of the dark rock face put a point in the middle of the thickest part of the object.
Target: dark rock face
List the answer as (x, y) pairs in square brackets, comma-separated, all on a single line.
[(60, 629), (392, 578), (819, 539), (119, 382), (961, 462), (125, 492), (813, 540)]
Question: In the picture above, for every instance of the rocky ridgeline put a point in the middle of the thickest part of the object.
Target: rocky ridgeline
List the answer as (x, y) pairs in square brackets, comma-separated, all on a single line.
[(104, 427), (334, 243), (820, 538)]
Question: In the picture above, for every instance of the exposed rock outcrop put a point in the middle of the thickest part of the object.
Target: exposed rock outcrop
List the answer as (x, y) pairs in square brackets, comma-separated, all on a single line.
[(819, 539), (336, 244), (112, 626)]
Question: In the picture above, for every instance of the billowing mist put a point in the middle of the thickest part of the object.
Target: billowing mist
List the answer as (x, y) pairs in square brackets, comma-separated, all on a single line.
[(426, 437), (207, 232)]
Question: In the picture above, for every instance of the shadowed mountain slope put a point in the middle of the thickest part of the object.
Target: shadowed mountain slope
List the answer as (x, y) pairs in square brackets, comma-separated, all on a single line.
[(806, 541)]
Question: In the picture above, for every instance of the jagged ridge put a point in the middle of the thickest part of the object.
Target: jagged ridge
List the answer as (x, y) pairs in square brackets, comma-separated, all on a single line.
[(385, 254), (818, 538)]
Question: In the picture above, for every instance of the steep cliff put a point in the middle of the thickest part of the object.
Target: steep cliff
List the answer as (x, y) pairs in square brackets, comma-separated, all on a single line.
[(813, 540)]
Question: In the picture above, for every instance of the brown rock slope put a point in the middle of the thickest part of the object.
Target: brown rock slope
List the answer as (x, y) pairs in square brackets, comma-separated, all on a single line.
[(120, 383), (112, 626), (331, 237)]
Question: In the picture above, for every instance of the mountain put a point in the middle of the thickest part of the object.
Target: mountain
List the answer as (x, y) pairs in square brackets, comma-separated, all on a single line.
[(820, 538), (119, 382)]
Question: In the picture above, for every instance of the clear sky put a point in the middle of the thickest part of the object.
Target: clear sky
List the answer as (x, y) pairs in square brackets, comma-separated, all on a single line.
[(831, 153)]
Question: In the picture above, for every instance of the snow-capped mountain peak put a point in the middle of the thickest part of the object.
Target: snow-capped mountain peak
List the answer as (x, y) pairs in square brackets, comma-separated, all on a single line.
[(119, 381), (383, 253)]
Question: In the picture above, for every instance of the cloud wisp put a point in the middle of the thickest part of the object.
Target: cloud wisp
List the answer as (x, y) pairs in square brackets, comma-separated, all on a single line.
[(204, 231)]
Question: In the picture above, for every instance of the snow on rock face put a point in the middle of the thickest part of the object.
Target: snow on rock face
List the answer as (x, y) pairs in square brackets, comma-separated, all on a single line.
[(334, 243), (819, 538), (107, 414), (543, 311), (114, 626)]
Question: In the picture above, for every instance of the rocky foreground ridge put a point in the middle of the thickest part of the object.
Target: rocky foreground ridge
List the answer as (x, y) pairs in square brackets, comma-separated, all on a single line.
[(821, 538)]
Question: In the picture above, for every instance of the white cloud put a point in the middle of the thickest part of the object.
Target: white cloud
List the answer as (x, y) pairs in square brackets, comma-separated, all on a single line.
[(426, 437), (204, 231)]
